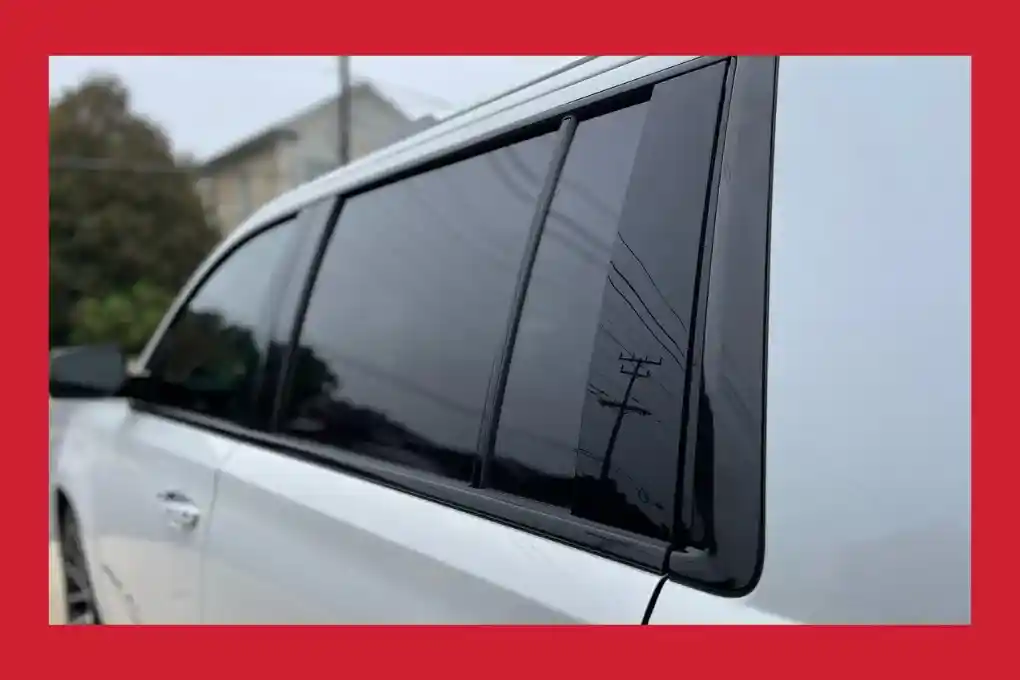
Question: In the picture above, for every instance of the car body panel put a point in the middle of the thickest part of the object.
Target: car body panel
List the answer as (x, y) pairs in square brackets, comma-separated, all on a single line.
[(144, 569), (295, 542), (867, 460), (868, 394)]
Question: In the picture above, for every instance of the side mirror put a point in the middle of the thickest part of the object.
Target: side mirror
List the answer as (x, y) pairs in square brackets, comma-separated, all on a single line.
[(87, 372)]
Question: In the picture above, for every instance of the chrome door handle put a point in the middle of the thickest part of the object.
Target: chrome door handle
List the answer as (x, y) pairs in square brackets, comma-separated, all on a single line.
[(181, 512)]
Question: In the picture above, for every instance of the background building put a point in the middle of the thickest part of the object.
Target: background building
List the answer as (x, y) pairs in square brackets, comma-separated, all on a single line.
[(240, 179)]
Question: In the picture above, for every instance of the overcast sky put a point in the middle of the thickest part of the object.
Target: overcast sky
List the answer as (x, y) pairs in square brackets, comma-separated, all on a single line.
[(208, 103)]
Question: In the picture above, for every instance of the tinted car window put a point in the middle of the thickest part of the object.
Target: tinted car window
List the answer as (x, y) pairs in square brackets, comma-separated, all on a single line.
[(409, 308), (537, 442), (593, 410), (209, 359)]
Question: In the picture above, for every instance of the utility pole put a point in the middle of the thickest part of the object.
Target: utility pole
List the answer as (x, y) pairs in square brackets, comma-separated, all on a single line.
[(623, 406), (344, 108)]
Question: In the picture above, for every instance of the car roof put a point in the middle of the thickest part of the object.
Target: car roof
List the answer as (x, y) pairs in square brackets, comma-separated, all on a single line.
[(578, 79)]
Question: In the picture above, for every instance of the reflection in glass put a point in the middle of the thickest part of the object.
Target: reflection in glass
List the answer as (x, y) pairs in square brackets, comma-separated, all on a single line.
[(209, 359), (409, 310), (542, 408), (593, 411)]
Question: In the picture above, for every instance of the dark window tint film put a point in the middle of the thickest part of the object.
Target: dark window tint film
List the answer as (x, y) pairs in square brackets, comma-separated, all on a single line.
[(409, 310), (210, 358), (541, 417), (593, 412)]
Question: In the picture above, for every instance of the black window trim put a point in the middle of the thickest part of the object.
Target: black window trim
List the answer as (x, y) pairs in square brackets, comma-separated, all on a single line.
[(739, 230), (618, 545), (322, 214), (497, 388)]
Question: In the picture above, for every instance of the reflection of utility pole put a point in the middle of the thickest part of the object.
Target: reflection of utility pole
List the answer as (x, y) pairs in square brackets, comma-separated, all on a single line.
[(624, 407), (344, 109)]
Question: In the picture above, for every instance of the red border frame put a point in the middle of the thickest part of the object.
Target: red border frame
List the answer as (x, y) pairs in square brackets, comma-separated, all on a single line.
[(31, 30)]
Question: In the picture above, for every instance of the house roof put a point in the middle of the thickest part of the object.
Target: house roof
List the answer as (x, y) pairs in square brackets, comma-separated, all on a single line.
[(253, 144), (282, 131)]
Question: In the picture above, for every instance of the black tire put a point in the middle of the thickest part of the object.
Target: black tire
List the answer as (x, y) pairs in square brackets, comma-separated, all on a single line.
[(79, 597)]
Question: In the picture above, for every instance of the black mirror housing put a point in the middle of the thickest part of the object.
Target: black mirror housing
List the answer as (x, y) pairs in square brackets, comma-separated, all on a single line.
[(87, 372)]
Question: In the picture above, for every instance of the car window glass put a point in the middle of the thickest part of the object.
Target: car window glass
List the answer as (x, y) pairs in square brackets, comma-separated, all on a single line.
[(209, 359), (593, 411), (408, 312), (541, 415)]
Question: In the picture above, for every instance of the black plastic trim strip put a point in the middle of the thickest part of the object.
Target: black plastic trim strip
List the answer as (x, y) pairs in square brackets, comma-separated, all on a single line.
[(497, 388), (287, 362), (735, 303), (695, 348), (315, 219), (620, 546)]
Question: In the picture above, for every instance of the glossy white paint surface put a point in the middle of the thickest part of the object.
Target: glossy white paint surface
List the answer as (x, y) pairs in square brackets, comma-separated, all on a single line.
[(868, 428), (292, 542), (868, 405), (146, 569)]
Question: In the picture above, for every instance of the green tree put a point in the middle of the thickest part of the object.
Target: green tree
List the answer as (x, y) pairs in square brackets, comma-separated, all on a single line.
[(127, 226), (127, 318)]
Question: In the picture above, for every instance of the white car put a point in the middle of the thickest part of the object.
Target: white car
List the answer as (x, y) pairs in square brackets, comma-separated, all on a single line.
[(649, 340)]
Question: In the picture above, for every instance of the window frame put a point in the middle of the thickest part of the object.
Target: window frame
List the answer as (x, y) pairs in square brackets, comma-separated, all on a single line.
[(522, 513), (732, 311), (699, 570)]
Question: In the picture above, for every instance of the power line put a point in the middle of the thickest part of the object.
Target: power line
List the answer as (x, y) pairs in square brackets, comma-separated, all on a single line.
[(76, 163), (83, 164)]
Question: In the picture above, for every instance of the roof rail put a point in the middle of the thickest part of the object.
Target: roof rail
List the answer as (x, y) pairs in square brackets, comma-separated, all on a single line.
[(517, 88)]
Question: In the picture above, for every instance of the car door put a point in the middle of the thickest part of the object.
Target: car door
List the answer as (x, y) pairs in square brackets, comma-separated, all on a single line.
[(456, 443), (156, 488), (156, 482)]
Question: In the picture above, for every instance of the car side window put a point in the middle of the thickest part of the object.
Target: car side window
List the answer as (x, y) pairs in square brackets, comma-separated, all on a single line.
[(209, 360), (593, 411), (402, 346), (408, 312)]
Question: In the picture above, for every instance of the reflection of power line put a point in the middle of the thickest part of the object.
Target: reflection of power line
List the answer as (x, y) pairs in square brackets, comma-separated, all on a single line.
[(482, 210), (454, 219), (624, 406), (571, 226), (641, 301), (652, 281), (612, 337), (575, 229), (600, 206), (582, 239), (452, 227), (581, 242), (644, 323)]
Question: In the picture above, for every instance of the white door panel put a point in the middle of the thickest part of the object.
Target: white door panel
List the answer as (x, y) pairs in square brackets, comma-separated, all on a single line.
[(294, 542), (151, 560), (678, 604), (82, 442)]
